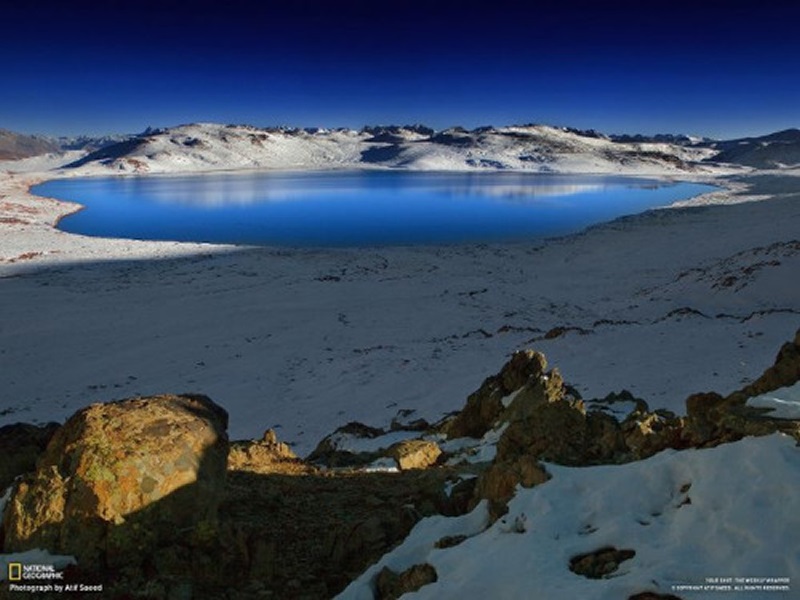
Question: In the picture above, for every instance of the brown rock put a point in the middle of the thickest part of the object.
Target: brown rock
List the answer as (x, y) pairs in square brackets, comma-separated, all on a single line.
[(415, 454), (119, 478), (499, 482), (647, 434), (391, 585), (553, 430), (265, 456), (599, 563), (784, 372), (484, 406)]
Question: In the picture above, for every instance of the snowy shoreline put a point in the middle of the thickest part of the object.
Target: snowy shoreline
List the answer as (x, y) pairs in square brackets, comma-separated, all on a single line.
[(306, 340)]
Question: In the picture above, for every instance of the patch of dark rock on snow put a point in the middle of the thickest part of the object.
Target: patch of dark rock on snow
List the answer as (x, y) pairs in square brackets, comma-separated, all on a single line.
[(379, 154), (601, 563)]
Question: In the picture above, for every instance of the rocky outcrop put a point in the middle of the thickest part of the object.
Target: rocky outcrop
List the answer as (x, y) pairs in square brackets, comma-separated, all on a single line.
[(333, 450), (485, 405), (391, 585), (126, 482), (713, 419), (415, 454), (266, 456), (21, 445)]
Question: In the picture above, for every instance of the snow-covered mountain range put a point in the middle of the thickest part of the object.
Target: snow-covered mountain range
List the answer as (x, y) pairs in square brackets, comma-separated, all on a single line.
[(539, 148)]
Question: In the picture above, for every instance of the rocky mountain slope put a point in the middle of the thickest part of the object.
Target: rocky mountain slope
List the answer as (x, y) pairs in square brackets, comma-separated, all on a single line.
[(537, 148), (192, 515), (776, 150), (14, 146)]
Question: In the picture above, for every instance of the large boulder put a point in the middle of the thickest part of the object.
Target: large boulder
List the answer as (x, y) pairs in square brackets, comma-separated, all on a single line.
[(119, 481), (415, 454)]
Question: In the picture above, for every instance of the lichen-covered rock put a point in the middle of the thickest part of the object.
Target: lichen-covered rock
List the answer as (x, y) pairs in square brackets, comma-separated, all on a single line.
[(391, 585), (121, 479), (21, 445), (415, 454)]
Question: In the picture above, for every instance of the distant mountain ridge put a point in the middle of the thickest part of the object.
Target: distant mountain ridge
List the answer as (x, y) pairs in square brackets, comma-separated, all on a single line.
[(537, 148), (14, 146), (530, 147), (775, 150)]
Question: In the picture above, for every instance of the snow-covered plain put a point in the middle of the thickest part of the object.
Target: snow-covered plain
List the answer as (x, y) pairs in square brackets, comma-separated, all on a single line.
[(665, 304), (702, 524), (783, 403)]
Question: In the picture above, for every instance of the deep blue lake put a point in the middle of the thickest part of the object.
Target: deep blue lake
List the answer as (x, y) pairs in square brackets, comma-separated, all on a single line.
[(354, 208)]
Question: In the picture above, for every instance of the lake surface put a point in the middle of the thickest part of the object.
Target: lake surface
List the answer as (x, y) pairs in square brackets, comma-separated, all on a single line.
[(354, 208)]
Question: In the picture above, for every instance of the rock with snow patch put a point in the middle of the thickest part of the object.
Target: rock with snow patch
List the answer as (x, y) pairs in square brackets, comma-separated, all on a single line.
[(713, 419), (405, 420), (499, 482), (485, 405), (333, 450)]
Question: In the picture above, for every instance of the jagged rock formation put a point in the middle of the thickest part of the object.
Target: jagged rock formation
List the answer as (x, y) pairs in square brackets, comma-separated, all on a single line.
[(138, 489), (267, 455), (714, 420), (541, 421)]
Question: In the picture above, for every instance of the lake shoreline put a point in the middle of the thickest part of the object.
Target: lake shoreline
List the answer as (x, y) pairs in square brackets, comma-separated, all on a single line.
[(358, 208), (270, 332)]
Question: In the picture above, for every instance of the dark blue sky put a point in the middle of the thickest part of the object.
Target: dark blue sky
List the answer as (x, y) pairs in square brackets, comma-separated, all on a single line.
[(718, 68)]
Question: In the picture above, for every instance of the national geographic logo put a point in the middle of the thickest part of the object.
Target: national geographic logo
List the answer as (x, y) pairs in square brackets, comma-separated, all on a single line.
[(33, 572)]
